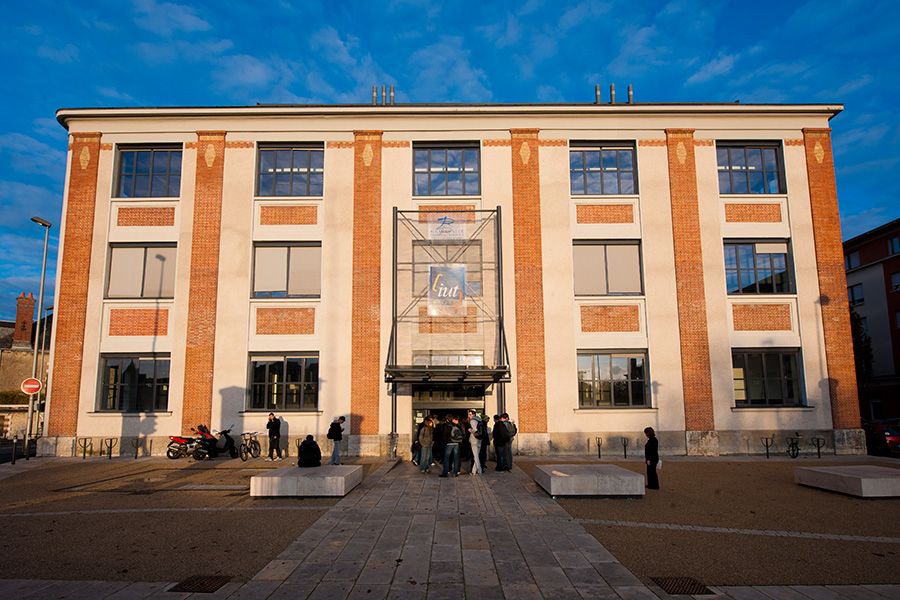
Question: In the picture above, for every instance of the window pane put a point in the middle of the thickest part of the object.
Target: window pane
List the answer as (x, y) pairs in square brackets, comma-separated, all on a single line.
[(624, 269), (609, 160), (421, 183), (143, 162), (731, 282), (757, 183), (637, 393), (626, 160), (126, 270), (745, 256), (421, 160), (159, 273), (305, 274), (594, 183), (258, 396), (626, 183), (725, 182), (175, 162), (454, 160), (127, 159), (576, 160), (610, 183), (316, 184), (722, 157), (301, 161), (592, 160), (473, 184), (739, 183), (282, 183), (589, 264), (174, 186), (754, 159), (438, 184), (141, 186), (454, 184), (270, 269), (266, 184), (293, 370)]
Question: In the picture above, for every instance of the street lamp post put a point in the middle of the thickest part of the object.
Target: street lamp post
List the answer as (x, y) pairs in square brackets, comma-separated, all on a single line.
[(28, 425)]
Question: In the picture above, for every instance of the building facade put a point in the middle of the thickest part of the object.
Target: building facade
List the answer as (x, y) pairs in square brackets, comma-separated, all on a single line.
[(872, 260), (590, 269)]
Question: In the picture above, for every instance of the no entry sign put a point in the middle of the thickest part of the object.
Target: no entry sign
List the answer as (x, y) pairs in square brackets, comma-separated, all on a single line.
[(31, 386)]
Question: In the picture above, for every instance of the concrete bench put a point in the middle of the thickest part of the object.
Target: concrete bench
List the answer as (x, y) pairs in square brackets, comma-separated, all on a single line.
[(589, 480), (327, 480), (864, 481)]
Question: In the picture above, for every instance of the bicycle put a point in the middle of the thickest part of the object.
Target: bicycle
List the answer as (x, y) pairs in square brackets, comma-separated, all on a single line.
[(249, 446), (794, 445)]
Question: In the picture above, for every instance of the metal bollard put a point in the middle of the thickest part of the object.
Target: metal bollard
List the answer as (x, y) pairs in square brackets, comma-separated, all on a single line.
[(27, 444), (15, 448), (820, 443), (599, 446), (625, 447), (84, 443), (136, 443), (767, 442), (298, 441), (109, 443)]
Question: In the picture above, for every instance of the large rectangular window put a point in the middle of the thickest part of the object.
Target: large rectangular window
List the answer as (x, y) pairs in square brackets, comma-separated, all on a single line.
[(602, 169), (893, 245), (607, 269), (288, 171), (284, 383), (146, 173), (750, 169), (447, 170), (141, 271), (287, 270), (855, 294), (766, 377), (135, 383), (612, 380), (757, 268)]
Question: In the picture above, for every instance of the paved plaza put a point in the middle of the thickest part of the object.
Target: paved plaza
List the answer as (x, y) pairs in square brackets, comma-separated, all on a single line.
[(401, 534)]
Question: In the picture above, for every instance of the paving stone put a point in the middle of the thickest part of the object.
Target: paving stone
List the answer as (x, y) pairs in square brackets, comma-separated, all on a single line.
[(369, 592), (616, 575), (572, 560), (597, 592), (445, 572), (636, 592), (521, 591), (308, 572), (344, 570), (331, 590), (292, 591), (745, 592), (513, 571), (548, 577), (277, 570)]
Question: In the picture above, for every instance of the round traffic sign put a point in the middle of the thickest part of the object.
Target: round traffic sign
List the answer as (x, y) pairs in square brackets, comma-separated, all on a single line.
[(31, 386)]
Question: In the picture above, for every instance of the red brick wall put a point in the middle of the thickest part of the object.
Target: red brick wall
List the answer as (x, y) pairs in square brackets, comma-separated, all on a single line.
[(692, 323), (467, 324), (531, 378), (285, 321), (604, 213), (427, 217), (24, 319), (149, 216), (138, 321), (599, 319), (204, 282), (832, 281), (365, 371), (71, 306), (761, 317), (288, 215), (753, 213)]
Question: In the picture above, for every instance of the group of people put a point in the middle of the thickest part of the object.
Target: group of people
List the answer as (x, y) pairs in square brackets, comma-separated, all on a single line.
[(309, 451), (450, 441)]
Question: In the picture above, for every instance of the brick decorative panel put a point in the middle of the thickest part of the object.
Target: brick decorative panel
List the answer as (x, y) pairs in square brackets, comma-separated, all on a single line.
[(365, 360), (657, 143), (435, 212), (587, 214), (704, 142), (74, 275), (552, 143), (761, 317), (204, 280), (607, 319), (397, 144), (496, 143), (288, 215), (467, 324), (691, 295), (138, 322), (285, 321), (753, 213), (149, 216), (832, 280), (531, 374), (793, 142), (245, 145), (339, 144)]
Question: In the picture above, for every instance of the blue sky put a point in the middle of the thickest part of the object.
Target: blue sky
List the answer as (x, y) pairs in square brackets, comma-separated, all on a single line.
[(231, 52)]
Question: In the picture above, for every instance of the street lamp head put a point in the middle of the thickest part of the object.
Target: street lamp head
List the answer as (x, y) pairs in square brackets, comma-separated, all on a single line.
[(41, 221)]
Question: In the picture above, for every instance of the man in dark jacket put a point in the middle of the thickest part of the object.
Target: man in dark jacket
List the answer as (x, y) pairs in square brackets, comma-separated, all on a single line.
[(501, 439), (274, 427), (335, 433), (310, 454)]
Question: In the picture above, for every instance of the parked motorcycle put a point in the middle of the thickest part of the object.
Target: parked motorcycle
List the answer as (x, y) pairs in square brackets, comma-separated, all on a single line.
[(210, 446), (180, 446)]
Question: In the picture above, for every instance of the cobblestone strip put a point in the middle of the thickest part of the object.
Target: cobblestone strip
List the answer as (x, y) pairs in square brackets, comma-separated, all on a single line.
[(768, 532)]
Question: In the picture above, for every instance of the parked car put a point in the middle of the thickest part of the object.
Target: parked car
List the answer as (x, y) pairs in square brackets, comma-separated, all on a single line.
[(882, 437)]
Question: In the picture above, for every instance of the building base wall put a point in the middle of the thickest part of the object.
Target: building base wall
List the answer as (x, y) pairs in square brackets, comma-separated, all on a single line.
[(849, 441)]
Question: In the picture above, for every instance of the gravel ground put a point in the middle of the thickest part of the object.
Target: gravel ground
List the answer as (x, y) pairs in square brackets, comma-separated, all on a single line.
[(145, 520), (744, 493)]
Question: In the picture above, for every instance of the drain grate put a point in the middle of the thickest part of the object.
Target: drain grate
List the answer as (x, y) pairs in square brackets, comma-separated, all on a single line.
[(201, 584), (681, 585)]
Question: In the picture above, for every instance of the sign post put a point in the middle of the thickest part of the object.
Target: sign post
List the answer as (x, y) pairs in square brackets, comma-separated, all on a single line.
[(31, 386)]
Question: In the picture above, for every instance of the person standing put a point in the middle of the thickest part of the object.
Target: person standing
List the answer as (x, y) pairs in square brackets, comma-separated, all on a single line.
[(274, 427), (651, 456), (310, 454), (485, 441), (335, 433), (501, 439), (453, 435), (476, 438), (511, 431), (426, 440)]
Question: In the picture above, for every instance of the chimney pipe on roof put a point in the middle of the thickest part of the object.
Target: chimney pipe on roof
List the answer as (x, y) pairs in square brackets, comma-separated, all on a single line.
[(374, 95), (392, 95), (612, 93), (630, 95), (597, 93), (383, 94)]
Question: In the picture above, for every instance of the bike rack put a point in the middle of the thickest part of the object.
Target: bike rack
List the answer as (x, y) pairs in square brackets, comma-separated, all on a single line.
[(599, 447), (84, 443), (793, 442), (768, 442), (136, 443), (820, 443), (394, 440), (109, 443), (625, 447), (298, 441)]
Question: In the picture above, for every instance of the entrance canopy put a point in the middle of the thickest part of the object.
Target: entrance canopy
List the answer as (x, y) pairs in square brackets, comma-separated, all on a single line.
[(447, 298)]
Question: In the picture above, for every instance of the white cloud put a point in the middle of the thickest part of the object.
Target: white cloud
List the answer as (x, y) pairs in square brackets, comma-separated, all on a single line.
[(66, 54), (581, 13), (50, 128), (548, 93), (503, 34), (166, 18), (28, 155), (719, 66), (171, 52), (114, 94), (443, 73)]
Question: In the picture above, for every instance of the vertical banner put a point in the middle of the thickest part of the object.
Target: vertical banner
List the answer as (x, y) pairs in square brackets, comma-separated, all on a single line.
[(446, 290)]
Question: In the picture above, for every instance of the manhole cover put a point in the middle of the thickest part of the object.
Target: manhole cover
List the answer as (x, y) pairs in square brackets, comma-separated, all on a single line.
[(681, 585), (202, 584)]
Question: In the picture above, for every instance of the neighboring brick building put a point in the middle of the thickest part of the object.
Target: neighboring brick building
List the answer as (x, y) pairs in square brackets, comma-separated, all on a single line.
[(592, 269), (872, 260)]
